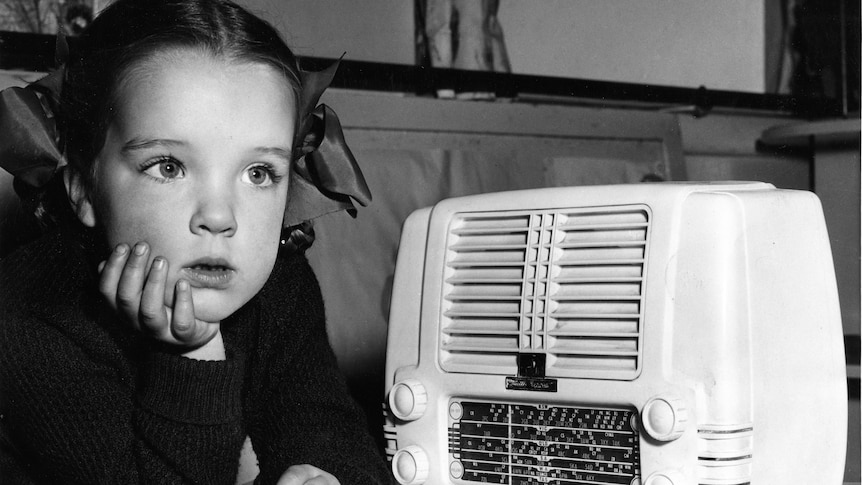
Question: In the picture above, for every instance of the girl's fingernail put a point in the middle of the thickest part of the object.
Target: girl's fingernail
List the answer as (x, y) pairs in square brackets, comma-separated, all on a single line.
[(140, 249), (121, 249), (183, 285), (159, 263), (102, 266)]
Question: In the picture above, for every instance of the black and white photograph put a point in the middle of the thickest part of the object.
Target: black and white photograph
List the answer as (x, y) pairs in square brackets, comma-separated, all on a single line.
[(440, 242)]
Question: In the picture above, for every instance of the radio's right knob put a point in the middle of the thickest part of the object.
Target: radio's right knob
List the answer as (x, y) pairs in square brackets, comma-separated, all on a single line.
[(664, 418), (408, 400), (410, 465)]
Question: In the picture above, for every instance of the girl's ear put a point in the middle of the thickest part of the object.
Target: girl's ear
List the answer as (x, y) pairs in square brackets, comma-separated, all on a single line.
[(79, 198)]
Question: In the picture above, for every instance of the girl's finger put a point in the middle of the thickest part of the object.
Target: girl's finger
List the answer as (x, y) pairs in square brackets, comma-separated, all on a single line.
[(306, 475), (153, 315), (110, 273), (132, 283), (322, 480), (183, 326)]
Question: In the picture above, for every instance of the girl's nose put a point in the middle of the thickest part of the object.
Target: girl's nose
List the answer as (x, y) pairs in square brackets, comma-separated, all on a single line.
[(214, 215)]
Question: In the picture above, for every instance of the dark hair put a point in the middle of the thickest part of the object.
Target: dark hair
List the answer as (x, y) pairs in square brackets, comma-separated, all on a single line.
[(129, 32)]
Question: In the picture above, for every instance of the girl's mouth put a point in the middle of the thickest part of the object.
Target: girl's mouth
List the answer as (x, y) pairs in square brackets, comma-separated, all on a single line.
[(209, 273)]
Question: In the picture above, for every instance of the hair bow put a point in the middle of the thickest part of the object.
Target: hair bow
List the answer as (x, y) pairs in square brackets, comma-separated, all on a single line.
[(325, 174), (29, 144)]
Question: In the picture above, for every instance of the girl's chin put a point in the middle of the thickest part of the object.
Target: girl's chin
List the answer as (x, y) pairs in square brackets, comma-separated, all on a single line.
[(214, 306)]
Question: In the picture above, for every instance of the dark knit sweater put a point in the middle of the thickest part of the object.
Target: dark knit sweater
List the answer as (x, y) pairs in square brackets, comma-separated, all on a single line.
[(84, 399)]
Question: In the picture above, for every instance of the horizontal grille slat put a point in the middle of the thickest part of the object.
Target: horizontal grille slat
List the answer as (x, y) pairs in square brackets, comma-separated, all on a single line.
[(587, 326), (598, 288), (568, 283), (608, 316), (598, 272), (517, 239), (487, 264), (599, 262), (593, 345), (484, 274), (586, 254), (603, 218), (493, 223), (592, 307), (486, 290), (481, 324), (492, 255), (483, 343), (611, 236), (599, 244), (487, 306)]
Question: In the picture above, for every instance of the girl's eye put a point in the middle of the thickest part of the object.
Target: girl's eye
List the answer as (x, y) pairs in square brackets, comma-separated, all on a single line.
[(165, 169), (260, 176)]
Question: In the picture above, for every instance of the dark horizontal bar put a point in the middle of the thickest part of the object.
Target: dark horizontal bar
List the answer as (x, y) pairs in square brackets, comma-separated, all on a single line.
[(851, 349), (424, 80), (852, 357), (35, 52)]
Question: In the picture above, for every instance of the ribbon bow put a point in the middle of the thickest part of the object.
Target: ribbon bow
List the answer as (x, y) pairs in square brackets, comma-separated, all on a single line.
[(325, 174), (29, 148)]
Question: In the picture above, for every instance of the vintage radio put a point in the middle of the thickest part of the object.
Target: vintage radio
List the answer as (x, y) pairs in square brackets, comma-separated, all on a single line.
[(653, 334)]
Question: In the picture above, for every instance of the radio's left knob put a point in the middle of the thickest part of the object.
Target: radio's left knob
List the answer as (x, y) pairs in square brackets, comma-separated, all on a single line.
[(410, 465), (408, 400), (671, 477)]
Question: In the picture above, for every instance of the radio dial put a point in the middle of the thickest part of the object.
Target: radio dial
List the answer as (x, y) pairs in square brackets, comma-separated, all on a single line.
[(410, 465), (408, 400), (664, 418)]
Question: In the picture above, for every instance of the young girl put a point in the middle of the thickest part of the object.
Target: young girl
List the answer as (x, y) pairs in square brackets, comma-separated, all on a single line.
[(157, 323)]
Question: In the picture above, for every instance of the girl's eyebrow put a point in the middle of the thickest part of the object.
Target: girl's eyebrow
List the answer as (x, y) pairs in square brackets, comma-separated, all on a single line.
[(275, 151), (144, 143)]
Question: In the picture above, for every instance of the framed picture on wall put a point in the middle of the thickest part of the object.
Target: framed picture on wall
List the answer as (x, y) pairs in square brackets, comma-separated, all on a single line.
[(48, 16)]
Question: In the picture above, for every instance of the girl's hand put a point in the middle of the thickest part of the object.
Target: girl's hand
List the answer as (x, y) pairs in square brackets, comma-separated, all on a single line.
[(306, 475), (138, 295)]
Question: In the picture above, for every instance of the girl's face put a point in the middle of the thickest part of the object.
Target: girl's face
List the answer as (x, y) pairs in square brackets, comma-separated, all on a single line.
[(196, 163)]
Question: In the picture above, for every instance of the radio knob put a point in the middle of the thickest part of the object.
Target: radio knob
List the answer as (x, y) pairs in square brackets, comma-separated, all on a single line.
[(410, 465), (671, 477), (408, 400), (664, 418)]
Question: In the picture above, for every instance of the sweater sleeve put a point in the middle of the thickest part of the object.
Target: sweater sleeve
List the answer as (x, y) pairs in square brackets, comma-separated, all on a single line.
[(73, 417), (306, 414)]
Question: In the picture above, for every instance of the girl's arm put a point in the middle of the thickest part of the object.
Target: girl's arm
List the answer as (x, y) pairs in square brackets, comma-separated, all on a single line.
[(81, 403), (305, 414), (78, 420)]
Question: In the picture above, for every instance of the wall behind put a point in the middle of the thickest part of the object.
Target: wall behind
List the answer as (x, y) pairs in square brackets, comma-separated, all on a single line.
[(663, 42), (370, 30)]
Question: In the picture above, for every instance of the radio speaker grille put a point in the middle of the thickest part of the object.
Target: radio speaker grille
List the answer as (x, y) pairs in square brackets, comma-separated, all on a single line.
[(569, 284)]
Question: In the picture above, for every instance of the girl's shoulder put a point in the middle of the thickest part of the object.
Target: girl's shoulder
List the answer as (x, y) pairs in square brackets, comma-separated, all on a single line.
[(291, 300), (42, 273), (291, 276)]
